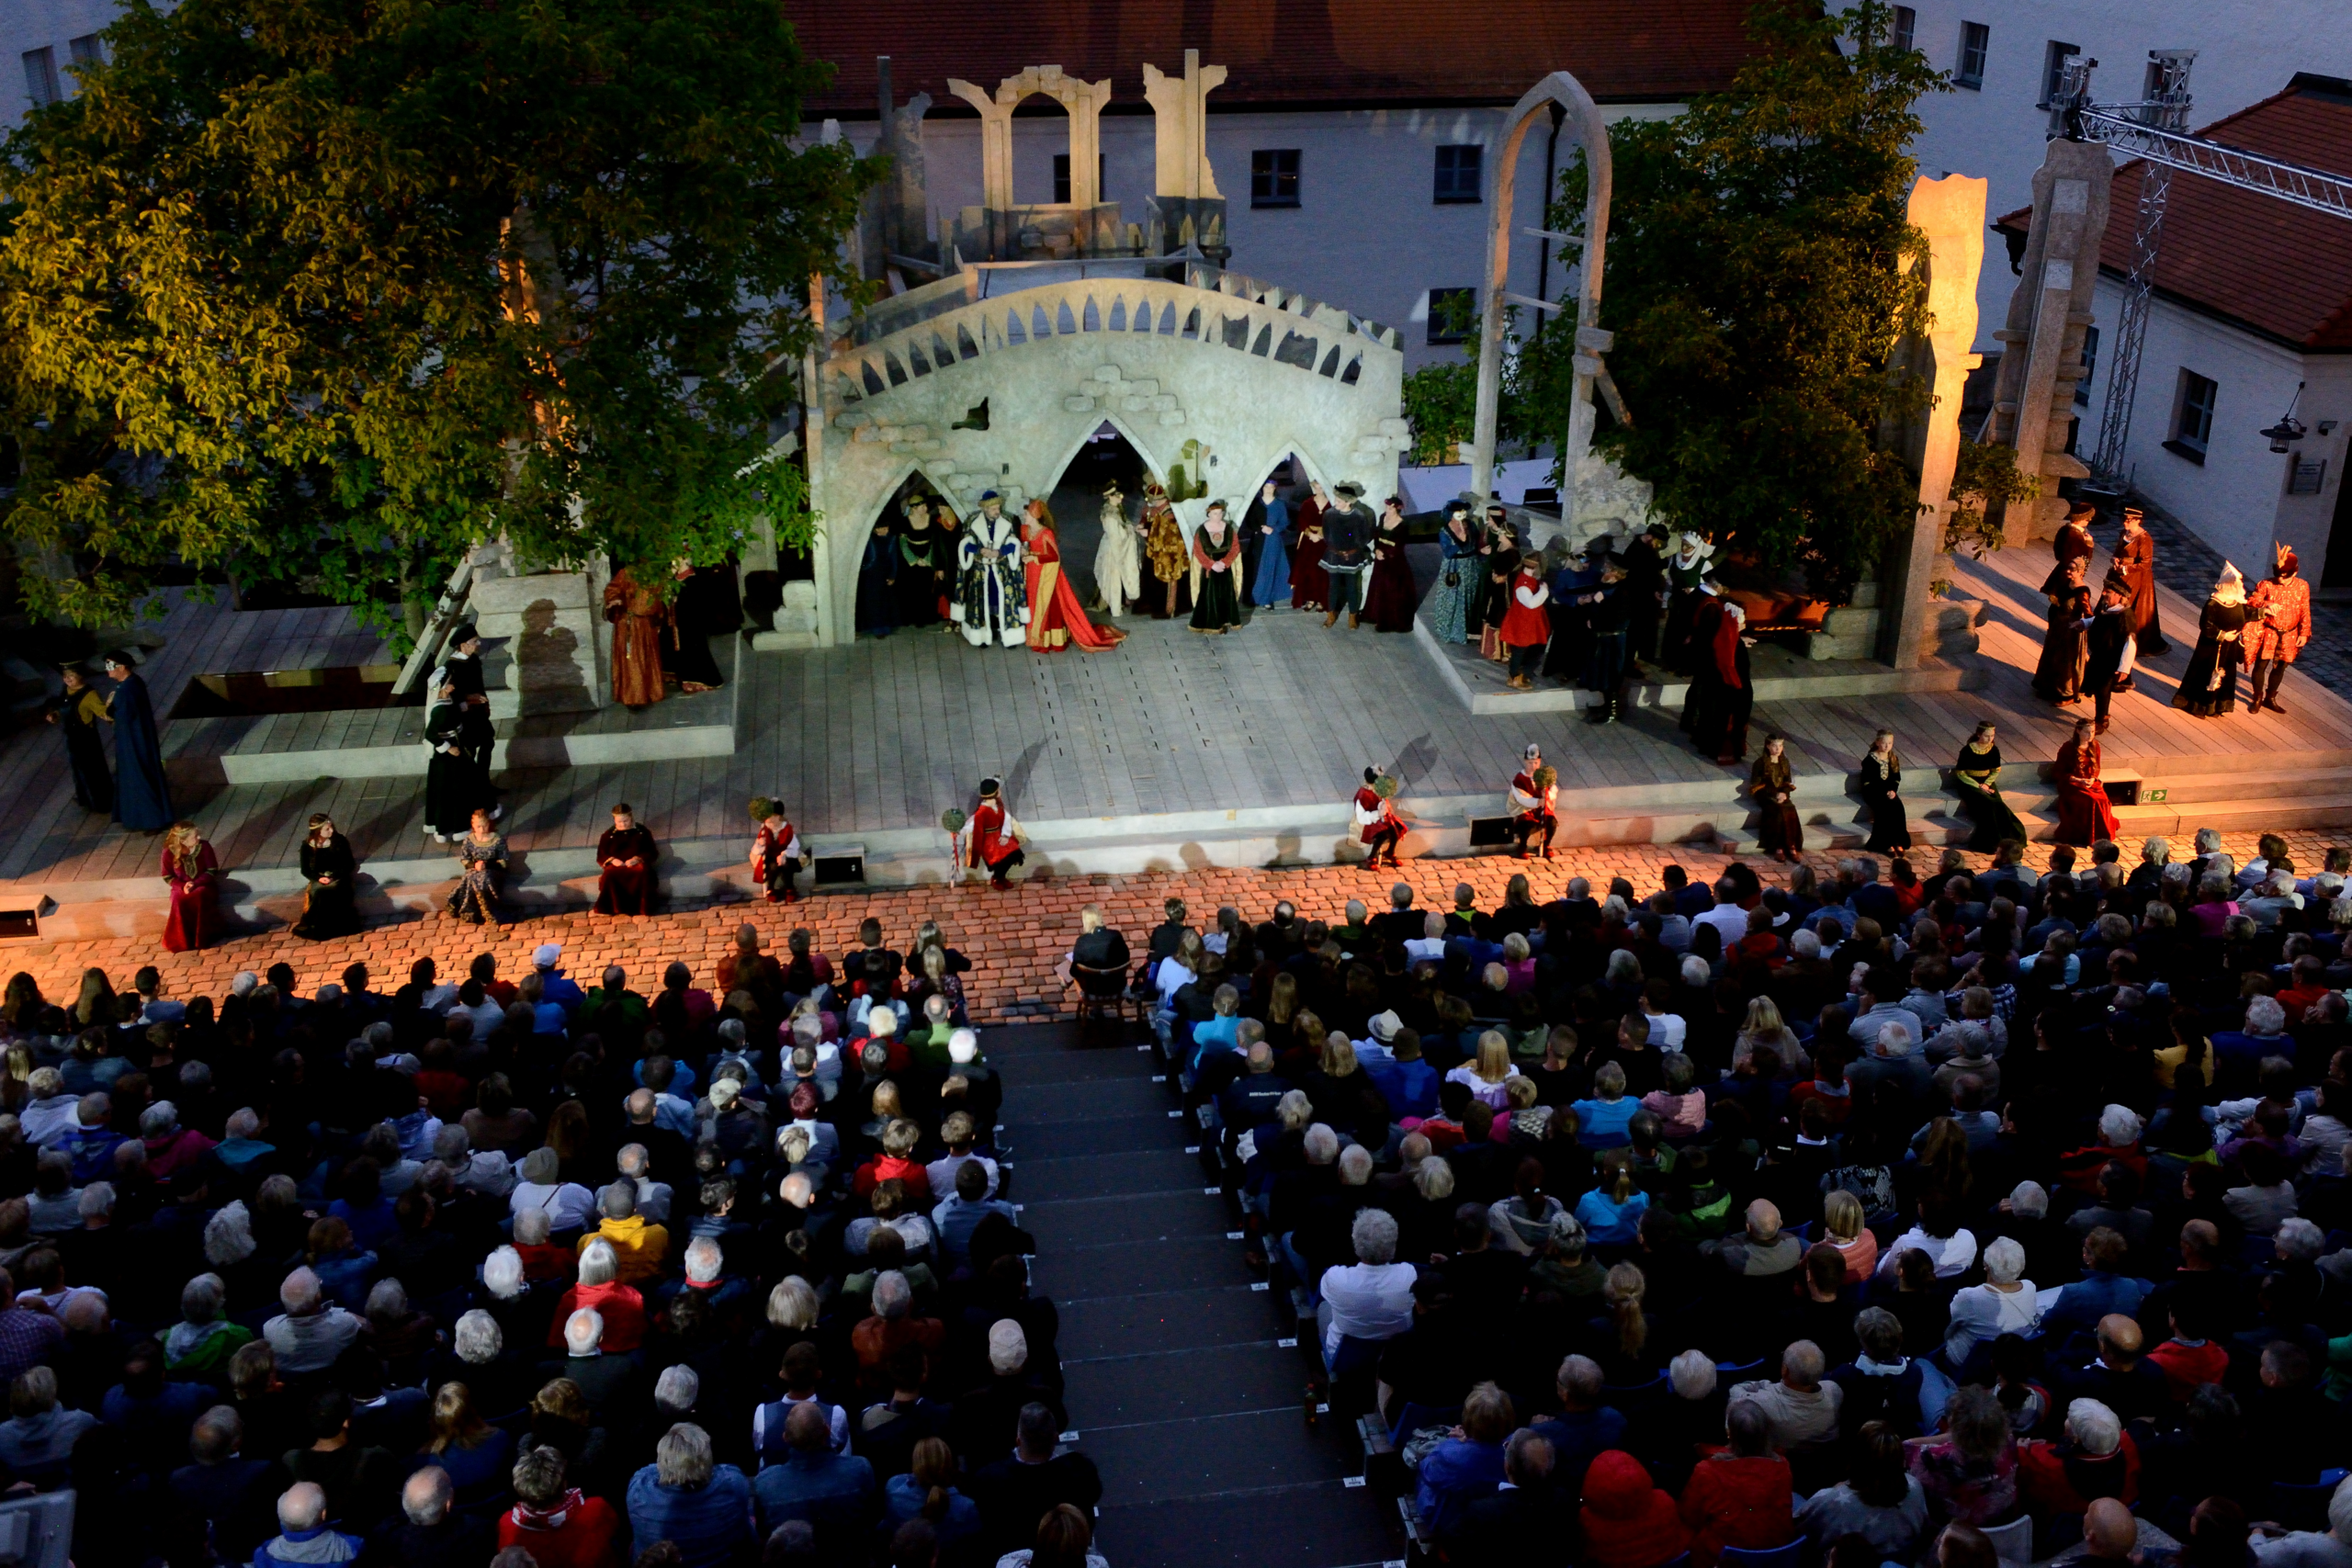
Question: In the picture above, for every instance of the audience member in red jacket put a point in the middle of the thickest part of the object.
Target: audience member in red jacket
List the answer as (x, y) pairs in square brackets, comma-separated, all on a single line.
[(558, 1526), (600, 1291), (2095, 1459), (1741, 1496), (1628, 1523)]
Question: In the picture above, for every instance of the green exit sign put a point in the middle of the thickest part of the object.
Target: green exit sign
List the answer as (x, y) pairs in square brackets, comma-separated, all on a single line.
[(2151, 796)]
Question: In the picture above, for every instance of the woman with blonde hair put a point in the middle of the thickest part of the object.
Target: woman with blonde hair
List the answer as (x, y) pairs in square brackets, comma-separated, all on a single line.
[(192, 871), (1843, 1222), (1486, 1075), (1621, 1338), (1764, 1026), (476, 1454)]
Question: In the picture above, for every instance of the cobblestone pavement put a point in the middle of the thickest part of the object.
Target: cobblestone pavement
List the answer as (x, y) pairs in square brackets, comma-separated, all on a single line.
[(2189, 565), (1014, 939)]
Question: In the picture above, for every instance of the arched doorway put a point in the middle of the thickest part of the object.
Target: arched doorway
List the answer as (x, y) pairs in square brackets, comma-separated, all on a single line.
[(1103, 459)]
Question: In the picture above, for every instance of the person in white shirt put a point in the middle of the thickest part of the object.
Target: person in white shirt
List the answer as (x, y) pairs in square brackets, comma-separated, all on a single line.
[(2006, 1302), (1431, 944), (1729, 917), (1954, 1251), (568, 1205), (1667, 1030), (1369, 1299)]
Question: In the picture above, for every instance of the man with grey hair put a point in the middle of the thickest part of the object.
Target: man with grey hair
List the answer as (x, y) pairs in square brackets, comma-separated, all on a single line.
[(675, 1393), (609, 1384), (229, 1491), (1762, 1249), (653, 1198), (502, 1271), (1798, 1407), (1586, 1426), (303, 1537), (835, 1492), (639, 1248), (430, 1531), (1368, 1301), (312, 1331), (2238, 1052)]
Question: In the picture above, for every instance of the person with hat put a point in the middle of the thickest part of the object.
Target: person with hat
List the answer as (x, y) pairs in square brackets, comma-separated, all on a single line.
[(2283, 601), (994, 836), (142, 794), (1379, 825), (1534, 797), (1448, 607), (2136, 558), (1163, 547), (625, 856), (77, 712), (1347, 552), (1683, 645), (1577, 573), (991, 601), (2071, 550), (1645, 591), (2107, 645), (454, 785), (1527, 621), (462, 669), (639, 617), (1722, 691), (2210, 688), (1608, 612), (777, 855)]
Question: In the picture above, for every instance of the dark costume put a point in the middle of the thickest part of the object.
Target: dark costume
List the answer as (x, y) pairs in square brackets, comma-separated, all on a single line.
[(1882, 786), (1778, 829), (329, 908), (2136, 558), (2211, 683), (195, 883), (2058, 677), (1347, 529), (1389, 599), (626, 889), (77, 715), (142, 795), (1570, 659), (2105, 642), (640, 619), (1457, 573), (2084, 816), (1217, 595), (926, 558), (1645, 581), (1310, 586), (478, 735), (1721, 695), (1975, 778), (706, 606), (481, 876), (1164, 552), (1608, 614), (2071, 550), (877, 582), (454, 785), (1680, 646)]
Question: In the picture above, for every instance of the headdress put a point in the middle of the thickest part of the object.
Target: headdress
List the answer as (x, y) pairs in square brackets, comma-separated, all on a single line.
[(2081, 511), (1347, 490), (2286, 559), (1371, 775), (988, 495), (2230, 589), (2133, 514), (462, 634), (121, 657), (991, 788), (1533, 754)]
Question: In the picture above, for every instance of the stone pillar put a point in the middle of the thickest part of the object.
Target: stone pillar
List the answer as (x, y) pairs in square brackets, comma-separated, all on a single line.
[(2033, 395), (996, 144), (1951, 212), (1185, 205)]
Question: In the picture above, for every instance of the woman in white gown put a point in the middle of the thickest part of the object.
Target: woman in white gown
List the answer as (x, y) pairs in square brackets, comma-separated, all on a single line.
[(1118, 558)]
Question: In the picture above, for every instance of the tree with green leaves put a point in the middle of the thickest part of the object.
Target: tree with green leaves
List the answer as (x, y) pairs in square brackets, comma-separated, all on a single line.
[(305, 287)]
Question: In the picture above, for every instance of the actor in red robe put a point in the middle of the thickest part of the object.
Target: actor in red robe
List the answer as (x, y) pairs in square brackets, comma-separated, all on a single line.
[(1534, 799), (191, 871), (1721, 697), (2084, 816), (776, 852), (625, 859), (1377, 822), (995, 837), (639, 616), (1527, 621), (1056, 617)]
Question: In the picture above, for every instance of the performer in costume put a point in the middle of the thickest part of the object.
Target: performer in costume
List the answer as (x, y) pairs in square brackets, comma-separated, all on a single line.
[(877, 581), (685, 651), (625, 856), (1389, 599), (2084, 816), (995, 835), (2058, 677), (2071, 550), (1607, 613), (481, 871), (142, 794), (1976, 779), (1722, 692), (1056, 617), (1217, 573), (1570, 659), (1163, 546), (1686, 573), (462, 668), (639, 617), (1269, 584), (1771, 783), (77, 712), (1645, 592), (2135, 556), (2106, 646), (1457, 572), (1348, 531), (1495, 585), (991, 599), (1378, 824), (330, 883), (1882, 787), (1527, 623), (1119, 556), (191, 871), (2210, 684), (776, 852), (2283, 601), (1534, 799), (926, 557), (1310, 586)]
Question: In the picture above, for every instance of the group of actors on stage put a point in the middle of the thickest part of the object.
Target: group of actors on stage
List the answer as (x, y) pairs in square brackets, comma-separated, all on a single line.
[(662, 630), (2092, 642)]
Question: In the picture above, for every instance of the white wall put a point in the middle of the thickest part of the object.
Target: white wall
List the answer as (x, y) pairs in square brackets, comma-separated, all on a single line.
[(2236, 501), (42, 24), (2248, 50)]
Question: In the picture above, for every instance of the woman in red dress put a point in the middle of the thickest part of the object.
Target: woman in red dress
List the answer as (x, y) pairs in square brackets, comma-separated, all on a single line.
[(1388, 599), (2084, 816), (191, 871), (1310, 586), (1056, 617)]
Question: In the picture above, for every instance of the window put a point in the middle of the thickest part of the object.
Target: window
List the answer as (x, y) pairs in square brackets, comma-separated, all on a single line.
[(41, 76), (1061, 177), (1452, 310), (2090, 366), (2053, 69), (1458, 172), (1906, 24), (1975, 37), (1273, 176), (2192, 427), (87, 49)]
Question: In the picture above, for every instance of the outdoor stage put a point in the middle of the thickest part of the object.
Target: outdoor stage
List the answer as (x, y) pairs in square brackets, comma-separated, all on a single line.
[(1174, 750)]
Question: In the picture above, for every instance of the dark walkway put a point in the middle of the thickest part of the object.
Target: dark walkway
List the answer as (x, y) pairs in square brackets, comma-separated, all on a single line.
[(1178, 1385)]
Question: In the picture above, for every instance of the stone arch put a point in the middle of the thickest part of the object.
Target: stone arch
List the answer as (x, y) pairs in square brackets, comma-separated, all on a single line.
[(1082, 100)]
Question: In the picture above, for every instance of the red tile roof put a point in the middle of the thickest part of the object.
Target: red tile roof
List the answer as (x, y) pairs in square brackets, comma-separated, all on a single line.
[(2283, 270), (1280, 53)]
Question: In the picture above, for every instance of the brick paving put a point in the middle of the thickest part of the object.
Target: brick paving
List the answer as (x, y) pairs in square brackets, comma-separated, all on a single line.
[(1014, 939)]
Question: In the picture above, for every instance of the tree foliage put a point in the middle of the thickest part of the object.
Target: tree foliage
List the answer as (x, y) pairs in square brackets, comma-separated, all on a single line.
[(339, 288)]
